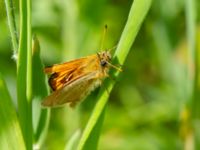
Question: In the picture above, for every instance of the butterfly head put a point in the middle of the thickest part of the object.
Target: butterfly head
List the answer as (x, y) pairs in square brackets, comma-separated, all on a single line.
[(105, 58)]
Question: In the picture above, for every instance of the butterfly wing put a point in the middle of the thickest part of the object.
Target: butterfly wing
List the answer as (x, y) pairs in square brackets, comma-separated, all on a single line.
[(73, 92), (66, 73), (72, 81)]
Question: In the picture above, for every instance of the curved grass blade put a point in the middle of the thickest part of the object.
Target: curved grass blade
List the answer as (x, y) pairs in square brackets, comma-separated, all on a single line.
[(10, 131), (40, 116), (72, 142), (136, 16)]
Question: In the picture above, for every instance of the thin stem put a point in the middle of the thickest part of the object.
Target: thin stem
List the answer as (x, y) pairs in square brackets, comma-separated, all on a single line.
[(29, 74), (12, 24)]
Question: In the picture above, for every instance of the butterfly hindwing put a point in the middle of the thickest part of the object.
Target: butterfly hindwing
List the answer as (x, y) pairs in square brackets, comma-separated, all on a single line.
[(73, 92)]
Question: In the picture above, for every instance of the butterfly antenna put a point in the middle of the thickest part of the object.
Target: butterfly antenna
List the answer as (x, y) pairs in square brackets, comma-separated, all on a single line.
[(113, 66), (114, 47), (103, 37)]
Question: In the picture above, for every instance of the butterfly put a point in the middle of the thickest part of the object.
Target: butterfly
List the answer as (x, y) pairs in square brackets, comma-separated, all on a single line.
[(72, 81)]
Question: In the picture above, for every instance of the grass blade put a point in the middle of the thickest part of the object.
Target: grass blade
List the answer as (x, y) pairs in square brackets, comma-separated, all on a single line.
[(71, 144), (137, 14), (24, 74), (40, 116), (191, 139), (12, 24), (190, 22), (11, 136)]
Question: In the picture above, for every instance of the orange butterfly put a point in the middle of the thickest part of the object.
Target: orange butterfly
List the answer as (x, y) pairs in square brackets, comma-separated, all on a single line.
[(74, 80)]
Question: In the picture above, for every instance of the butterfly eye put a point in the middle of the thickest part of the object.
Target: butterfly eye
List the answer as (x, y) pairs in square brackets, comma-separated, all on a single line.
[(103, 63)]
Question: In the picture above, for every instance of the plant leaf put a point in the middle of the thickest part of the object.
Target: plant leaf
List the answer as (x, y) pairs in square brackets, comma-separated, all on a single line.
[(40, 116), (10, 131), (24, 73)]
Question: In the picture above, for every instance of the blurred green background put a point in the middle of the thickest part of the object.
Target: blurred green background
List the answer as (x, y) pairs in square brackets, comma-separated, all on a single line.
[(150, 104)]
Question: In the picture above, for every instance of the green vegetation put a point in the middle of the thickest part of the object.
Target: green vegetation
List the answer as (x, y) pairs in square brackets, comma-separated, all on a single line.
[(152, 104)]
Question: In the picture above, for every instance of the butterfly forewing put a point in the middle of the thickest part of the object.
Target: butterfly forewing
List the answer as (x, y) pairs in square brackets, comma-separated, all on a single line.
[(65, 66), (63, 74)]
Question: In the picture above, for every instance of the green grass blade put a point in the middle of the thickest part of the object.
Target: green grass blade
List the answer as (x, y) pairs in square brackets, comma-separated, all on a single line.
[(24, 67), (40, 116), (72, 142), (192, 137), (29, 54), (29, 142), (21, 79), (10, 132), (196, 102), (137, 14), (12, 24), (190, 22)]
